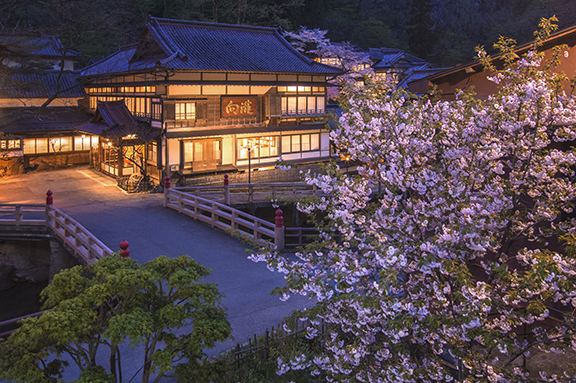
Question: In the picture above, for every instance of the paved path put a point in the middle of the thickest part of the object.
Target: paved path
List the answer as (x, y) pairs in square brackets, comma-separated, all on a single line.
[(112, 216)]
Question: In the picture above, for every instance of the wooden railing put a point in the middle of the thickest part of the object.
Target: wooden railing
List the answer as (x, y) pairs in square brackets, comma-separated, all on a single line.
[(23, 215), (12, 324), (83, 243), (224, 217), (247, 193), (80, 241), (299, 236)]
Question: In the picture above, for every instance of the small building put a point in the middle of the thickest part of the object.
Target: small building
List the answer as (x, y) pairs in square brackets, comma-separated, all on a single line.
[(44, 52), (472, 75), (393, 65), (124, 140), (41, 101), (224, 97)]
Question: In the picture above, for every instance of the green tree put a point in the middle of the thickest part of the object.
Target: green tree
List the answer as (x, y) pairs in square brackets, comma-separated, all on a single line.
[(420, 27), (373, 33), (102, 305)]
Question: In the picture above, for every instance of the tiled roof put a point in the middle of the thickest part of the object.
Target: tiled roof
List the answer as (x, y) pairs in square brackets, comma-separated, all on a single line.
[(115, 113), (46, 45), (194, 45), (20, 121), (213, 46), (391, 57), (115, 63), (417, 74), (113, 118), (43, 85)]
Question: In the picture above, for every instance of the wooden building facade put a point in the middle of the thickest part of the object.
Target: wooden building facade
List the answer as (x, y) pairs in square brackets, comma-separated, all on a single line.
[(223, 96)]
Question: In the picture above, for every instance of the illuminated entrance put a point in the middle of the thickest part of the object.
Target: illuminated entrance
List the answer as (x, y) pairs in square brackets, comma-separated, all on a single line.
[(202, 154)]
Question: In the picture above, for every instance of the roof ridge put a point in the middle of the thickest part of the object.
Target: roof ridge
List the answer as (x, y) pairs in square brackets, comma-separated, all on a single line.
[(299, 54), (125, 48), (153, 26), (212, 24)]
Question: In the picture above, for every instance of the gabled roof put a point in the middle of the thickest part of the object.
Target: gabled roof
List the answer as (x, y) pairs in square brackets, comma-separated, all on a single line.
[(393, 58), (114, 113), (561, 37), (45, 46), (42, 86), (112, 118), (194, 45), (417, 73)]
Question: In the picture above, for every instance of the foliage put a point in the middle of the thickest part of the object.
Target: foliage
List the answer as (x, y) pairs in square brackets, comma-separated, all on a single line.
[(253, 368), (455, 270), (106, 303), (450, 28), (353, 62)]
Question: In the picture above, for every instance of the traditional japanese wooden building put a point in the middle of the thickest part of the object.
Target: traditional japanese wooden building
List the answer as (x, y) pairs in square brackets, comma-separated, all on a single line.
[(473, 75), (222, 96)]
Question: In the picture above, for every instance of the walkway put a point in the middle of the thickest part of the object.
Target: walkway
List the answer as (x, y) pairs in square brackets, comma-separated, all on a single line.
[(112, 216)]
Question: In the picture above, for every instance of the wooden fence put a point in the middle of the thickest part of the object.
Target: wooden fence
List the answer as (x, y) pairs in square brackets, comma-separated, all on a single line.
[(271, 338), (224, 217), (299, 236)]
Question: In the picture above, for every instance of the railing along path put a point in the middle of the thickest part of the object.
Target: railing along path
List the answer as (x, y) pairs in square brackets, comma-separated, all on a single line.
[(80, 241), (83, 244), (225, 217), (248, 193)]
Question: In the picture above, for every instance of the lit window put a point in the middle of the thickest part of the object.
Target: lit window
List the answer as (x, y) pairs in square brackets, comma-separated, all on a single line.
[(300, 143), (9, 144), (185, 111)]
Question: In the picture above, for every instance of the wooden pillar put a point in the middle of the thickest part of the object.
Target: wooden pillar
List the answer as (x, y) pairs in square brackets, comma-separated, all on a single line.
[(181, 166), (120, 159)]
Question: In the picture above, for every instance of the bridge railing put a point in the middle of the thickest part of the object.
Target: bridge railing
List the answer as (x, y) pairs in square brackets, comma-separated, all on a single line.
[(80, 241), (225, 217), (251, 192), (83, 243), (22, 214)]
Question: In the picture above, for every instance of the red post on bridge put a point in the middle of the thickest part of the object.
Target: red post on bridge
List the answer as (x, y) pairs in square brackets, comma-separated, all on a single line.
[(49, 198), (166, 187), (124, 251), (279, 230), (226, 190), (49, 203)]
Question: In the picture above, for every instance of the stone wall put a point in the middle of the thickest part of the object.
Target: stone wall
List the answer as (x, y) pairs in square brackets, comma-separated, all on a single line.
[(10, 166), (56, 160), (31, 259)]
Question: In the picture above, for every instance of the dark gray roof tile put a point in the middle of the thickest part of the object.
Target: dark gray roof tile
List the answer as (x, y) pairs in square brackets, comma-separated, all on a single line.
[(193, 45), (46, 45), (43, 85)]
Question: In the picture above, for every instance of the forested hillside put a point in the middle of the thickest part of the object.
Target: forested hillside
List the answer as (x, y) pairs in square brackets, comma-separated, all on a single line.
[(441, 31)]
